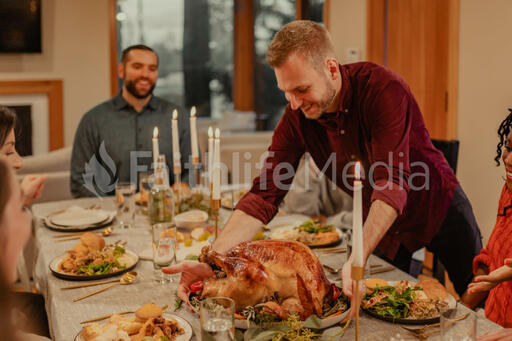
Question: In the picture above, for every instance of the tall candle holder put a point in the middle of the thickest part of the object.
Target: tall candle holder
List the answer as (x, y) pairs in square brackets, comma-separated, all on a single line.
[(195, 162), (216, 207), (177, 178), (210, 211), (357, 275)]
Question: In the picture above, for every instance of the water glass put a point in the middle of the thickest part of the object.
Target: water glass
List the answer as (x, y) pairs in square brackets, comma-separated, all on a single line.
[(125, 201), (164, 250), (217, 319), (145, 184), (457, 330)]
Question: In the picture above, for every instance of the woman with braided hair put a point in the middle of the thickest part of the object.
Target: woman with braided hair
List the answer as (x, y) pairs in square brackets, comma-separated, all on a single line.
[(489, 266)]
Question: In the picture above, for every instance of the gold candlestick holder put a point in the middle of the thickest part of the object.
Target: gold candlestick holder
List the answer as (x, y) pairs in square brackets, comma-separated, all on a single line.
[(357, 275), (215, 207), (177, 178), (210, 211), (195, 162)]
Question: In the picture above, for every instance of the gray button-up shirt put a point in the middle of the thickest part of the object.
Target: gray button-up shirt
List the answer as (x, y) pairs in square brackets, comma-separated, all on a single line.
[(114, 143)]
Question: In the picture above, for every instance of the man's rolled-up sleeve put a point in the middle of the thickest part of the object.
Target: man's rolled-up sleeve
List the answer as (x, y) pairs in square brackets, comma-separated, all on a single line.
[(270, 187), (390, 125)]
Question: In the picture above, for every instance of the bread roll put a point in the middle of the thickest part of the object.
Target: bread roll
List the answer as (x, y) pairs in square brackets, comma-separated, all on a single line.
[(91, 331), (127, 324), (148, 311), (434, 290), (80, 250), (92, 241), (372, 283)]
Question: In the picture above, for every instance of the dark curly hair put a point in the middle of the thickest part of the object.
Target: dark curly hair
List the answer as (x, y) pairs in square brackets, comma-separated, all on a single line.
[(503, 132)]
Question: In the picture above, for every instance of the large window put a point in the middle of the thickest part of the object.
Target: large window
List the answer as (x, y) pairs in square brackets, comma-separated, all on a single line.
[(194, 40), (270, 16)]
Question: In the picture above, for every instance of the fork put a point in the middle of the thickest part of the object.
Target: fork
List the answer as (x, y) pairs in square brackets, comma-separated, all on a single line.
[(424, 336), (420, 332)]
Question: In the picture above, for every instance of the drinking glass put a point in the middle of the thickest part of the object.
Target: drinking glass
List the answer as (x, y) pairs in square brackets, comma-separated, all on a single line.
[(164, 250), (217, 319), (125, 200), (457, 330), (145, 184)]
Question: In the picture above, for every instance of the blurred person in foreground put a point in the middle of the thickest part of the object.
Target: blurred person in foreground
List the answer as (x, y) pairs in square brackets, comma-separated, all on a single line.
[(28, 313)]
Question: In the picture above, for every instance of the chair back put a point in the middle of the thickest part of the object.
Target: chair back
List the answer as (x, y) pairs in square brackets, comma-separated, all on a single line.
[(450, 150)]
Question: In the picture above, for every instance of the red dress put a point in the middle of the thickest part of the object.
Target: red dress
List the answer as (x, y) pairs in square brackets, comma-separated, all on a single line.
[(498, 307)]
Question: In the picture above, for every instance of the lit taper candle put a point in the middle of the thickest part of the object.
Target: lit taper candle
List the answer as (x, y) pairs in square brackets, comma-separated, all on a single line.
[(210, 153), (357, 224), (193, 136), (156, 150), (176, 156)]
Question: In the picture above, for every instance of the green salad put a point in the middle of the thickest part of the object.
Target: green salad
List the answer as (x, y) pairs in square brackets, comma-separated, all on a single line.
[(312, 226), (109, 263), (388, 301)]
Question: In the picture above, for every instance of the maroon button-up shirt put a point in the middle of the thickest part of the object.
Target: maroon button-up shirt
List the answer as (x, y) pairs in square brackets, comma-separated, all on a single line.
[(379, 124)]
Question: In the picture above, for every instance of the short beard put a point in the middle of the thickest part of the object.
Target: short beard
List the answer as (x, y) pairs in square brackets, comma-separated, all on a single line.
[(328, 99), (130, 87)]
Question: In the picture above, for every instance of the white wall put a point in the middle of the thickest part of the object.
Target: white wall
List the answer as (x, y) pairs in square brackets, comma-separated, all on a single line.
[(485, 93), (347, 24), (76, 50)]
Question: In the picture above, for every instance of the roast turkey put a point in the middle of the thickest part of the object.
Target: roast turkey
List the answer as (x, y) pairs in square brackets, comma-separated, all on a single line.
[(284, 275)]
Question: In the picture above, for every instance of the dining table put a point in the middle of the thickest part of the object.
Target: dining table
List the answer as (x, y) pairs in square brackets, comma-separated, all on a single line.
[(64, 315)]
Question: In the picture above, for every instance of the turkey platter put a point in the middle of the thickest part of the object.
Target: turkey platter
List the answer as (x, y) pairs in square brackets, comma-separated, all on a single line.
[(269, 280)]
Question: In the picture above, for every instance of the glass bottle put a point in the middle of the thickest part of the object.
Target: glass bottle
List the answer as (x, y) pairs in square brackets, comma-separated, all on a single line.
[(161, 200)]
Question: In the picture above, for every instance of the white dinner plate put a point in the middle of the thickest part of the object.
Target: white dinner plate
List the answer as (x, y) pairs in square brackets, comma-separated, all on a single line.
[(80, 228), (131, 260), (286, 233), (289, 220), (191, 219), (78, 216), (187, 335)]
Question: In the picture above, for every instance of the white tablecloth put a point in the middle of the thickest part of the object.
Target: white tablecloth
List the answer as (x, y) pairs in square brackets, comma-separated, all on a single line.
[(64, 316)]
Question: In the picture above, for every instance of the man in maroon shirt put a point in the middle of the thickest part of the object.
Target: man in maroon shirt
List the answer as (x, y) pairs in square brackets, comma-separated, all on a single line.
[(357, 112)]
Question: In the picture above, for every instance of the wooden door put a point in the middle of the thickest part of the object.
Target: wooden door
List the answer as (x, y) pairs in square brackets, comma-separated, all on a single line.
[(419, 40)]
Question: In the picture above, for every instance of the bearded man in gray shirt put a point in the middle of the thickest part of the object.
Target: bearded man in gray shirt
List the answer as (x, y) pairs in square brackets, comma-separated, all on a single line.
[(113, 141)]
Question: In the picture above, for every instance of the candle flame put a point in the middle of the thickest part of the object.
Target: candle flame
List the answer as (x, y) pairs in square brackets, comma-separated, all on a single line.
[(175, 114), (155, 132), (210, 132), (193, 111), (217, 133), (357, 172)]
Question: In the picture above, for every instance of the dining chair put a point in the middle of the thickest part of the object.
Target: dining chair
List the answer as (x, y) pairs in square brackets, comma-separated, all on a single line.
[(450, 150)]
